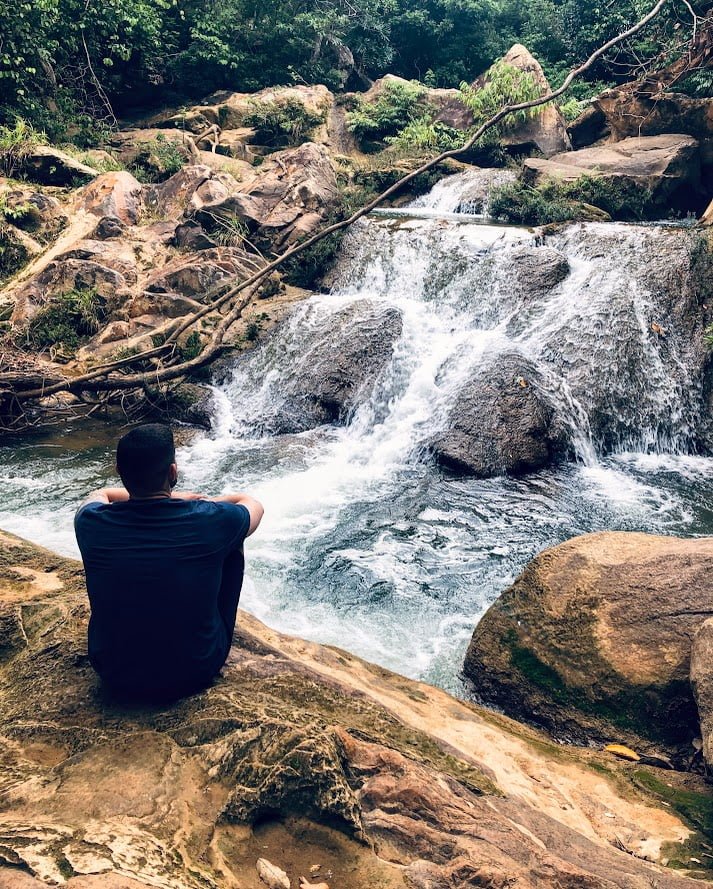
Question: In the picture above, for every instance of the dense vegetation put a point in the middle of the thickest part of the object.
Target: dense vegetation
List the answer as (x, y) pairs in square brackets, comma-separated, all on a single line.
[(68, 66)]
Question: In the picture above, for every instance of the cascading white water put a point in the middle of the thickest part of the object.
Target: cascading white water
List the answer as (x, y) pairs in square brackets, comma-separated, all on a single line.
[(366, 543)]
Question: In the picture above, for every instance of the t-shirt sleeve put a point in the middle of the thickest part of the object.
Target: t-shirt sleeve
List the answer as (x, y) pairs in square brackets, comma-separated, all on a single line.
[(238, 518), (82, 520)]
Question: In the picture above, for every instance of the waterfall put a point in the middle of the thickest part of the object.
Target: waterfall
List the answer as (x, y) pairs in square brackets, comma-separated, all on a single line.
[(366, 543)]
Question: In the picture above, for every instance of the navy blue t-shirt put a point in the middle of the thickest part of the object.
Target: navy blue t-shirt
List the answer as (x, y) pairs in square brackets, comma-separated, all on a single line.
[(163, 578)]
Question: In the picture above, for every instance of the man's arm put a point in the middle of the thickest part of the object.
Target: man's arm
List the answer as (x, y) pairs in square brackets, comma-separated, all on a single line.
[(253, 506), (105, 495)]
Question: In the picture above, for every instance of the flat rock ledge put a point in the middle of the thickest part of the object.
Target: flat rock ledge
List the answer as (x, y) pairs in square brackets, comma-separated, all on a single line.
[(593, 641), (303, 755)]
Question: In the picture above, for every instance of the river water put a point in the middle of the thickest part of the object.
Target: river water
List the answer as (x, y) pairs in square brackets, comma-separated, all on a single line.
[(366, 543)]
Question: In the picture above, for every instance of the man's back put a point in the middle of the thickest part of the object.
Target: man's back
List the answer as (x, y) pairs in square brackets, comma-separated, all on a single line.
[(160, 574)]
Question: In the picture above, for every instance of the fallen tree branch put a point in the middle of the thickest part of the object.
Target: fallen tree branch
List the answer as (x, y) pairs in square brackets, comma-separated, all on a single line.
[(102, 378)]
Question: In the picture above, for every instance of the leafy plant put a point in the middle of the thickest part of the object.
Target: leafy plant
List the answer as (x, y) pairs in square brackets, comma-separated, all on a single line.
[(13, 254), (504, 85), (556, 201), (191, 348), (283, 122), (425, 134), (158, 160), (66, 321), (572, 108), (16, 142), (398, 105)]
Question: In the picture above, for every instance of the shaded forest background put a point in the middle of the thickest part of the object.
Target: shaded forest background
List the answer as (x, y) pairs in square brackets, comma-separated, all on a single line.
[(69, 66)]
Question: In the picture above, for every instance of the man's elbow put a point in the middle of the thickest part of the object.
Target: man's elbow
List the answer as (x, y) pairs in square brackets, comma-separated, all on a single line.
[(257, 511)]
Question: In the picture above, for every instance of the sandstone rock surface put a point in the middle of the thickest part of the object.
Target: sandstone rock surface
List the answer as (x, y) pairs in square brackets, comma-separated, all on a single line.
[(51, 166), (702, 683), (669, 166), (295, 191), (593, 640), (297, 754), (503, 421)]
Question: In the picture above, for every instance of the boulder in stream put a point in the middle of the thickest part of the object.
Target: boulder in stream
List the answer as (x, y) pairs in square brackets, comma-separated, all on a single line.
[(665, 171), (503, 420), (593, 640), (338, 366)]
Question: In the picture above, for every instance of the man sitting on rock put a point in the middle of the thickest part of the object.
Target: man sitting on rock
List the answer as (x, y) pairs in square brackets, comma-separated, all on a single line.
[(164, 572)]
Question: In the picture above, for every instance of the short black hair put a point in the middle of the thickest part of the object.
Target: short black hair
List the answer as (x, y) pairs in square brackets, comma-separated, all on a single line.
[(143, 457)]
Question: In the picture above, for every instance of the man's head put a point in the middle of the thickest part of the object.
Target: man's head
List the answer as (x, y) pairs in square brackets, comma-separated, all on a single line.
[(146, 460)]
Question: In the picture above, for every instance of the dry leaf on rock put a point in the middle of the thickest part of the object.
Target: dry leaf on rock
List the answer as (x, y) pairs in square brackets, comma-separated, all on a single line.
[(271, 875)]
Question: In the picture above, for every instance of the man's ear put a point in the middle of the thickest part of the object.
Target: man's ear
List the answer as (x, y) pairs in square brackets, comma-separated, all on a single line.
[(173, 475)]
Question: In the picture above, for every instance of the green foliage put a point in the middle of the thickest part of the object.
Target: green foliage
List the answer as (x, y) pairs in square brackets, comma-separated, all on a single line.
[(65, 63), (192, 347), (398, 105), (158, 160), (13, 254), (504, 85), (529, 205), (66, 321), (572, 108), (425, 134), (16, 142), (283, 122), (556, 201)]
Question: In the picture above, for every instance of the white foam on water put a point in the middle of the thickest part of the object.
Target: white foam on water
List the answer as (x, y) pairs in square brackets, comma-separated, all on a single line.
[(367, 545)]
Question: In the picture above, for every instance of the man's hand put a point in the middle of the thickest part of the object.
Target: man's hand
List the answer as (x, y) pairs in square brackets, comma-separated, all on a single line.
[(253, 506)]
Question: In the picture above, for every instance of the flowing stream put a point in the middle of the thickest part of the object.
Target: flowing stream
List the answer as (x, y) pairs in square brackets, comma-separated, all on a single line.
[(366, 543)]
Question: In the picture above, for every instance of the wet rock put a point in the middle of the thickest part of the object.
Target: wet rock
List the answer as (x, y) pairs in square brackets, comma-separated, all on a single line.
[(503, 421), (50, 166), (537, 270), (707, 218), (702, 683), (116, 194), (338, 366), (668, 166), (476, 197), (593, 640)]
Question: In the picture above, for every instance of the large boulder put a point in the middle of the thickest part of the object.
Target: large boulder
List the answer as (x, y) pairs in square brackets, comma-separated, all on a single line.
[(502, 421), (593, 640), (668, 166), (301, 754), (337, 367), (707, 218), (293, 194), (51, 166), (546, 131), (115, 194)]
